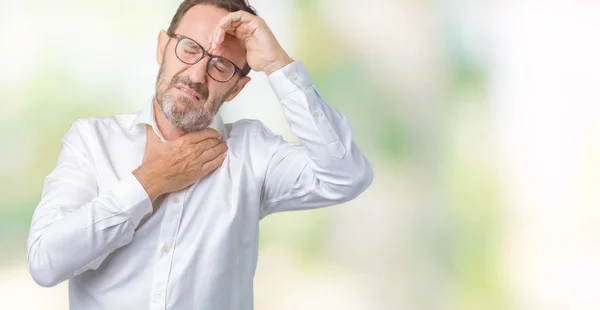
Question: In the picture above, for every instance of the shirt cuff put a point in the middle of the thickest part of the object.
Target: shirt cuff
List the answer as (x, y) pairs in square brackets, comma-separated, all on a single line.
[(133, 199), (290, 78)]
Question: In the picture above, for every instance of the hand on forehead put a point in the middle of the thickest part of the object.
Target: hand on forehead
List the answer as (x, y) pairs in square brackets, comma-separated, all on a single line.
[(200, 22), (230, 47)]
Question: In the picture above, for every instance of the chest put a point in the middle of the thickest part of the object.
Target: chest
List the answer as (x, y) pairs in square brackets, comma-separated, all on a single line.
[(227, 201)]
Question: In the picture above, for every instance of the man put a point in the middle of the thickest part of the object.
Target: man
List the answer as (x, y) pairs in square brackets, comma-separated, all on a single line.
[(160, 209)]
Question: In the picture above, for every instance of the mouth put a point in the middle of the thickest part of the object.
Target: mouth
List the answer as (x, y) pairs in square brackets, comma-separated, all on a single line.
[(190, 93)]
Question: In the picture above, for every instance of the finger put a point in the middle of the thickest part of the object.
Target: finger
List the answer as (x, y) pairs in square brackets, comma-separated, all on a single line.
[(219, 35), (210, 166), (205, 145), (234, 19), (230, 22), (212, 153), (201, 135), (238, 16)]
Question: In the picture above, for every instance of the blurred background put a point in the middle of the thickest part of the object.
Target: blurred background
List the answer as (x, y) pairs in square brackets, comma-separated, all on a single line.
[(481, 120)]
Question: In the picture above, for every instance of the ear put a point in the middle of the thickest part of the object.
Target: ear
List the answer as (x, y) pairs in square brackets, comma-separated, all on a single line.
[(163, 41), (238, 87)]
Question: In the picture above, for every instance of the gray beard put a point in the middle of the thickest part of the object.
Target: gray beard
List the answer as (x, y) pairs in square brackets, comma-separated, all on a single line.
[(190, 119), (187, 120)]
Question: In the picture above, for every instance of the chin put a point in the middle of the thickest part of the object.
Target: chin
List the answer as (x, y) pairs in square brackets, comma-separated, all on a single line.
[(182, 105)]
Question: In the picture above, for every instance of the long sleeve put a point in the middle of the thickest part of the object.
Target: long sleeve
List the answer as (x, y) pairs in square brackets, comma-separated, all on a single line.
[(74, 228), (326, 167)]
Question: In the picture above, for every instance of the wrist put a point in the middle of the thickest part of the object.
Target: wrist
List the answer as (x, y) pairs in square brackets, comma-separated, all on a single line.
[(278, 64), (149, 182)]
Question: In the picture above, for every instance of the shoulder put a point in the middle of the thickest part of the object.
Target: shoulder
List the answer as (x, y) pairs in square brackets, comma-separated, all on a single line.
[(88, 130), (253, 130), (114, 122), (253, 140)]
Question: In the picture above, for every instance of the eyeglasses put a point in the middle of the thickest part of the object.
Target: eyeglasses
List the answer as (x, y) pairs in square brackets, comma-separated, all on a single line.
[(190, 52)]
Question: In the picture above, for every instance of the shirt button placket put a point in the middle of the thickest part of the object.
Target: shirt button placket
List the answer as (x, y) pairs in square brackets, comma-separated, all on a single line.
[(166, 239)]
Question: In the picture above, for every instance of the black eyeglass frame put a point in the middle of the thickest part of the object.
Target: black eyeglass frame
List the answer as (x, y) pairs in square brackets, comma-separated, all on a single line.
[(180, 37)]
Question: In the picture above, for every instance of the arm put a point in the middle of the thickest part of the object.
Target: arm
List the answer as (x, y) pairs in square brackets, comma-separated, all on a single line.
[(74, 228), (327, 167)]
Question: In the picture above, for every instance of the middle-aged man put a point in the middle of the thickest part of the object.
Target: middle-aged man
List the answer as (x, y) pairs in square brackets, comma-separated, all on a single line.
[(160, 209)]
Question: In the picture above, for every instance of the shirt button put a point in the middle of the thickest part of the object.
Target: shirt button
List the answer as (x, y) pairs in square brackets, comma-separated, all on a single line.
[(175, 200), (157, 295), (292, 76), (166, 249), (316, 114)]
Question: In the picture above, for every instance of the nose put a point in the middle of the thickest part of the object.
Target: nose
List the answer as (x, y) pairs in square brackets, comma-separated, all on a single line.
[(197, 71)]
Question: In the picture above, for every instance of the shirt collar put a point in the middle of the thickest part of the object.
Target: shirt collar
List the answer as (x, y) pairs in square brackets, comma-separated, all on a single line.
[(146, 116)]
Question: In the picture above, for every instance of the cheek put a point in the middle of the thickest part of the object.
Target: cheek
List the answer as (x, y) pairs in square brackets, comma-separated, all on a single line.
[(213, 92), (164, 77), (165, 81), (219, 90), (169, 69)]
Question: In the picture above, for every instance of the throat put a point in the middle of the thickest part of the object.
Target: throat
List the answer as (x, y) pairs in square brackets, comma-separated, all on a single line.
[(167, 129)]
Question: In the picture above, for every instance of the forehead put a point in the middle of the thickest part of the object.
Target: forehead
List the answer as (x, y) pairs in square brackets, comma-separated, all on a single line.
[(199, 23)]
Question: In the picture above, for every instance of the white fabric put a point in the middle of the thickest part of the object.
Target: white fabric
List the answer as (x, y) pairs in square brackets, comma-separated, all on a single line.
[(199, 250)]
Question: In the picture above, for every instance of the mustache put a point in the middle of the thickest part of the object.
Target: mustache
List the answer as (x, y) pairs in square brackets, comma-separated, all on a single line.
[(200, 88)]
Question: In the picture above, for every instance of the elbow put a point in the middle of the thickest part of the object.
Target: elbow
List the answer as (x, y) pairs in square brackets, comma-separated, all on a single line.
[(43, 276), (354, 185), (42, 271), (363, 180)]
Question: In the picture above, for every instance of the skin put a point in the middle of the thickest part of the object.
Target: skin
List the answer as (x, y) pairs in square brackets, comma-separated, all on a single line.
[(192, 150)]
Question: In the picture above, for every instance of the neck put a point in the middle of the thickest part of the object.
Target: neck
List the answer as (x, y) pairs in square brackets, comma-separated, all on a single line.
[(165, 126)]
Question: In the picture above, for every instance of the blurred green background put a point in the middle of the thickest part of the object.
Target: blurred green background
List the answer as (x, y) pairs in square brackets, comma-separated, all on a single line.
[(481, 120)]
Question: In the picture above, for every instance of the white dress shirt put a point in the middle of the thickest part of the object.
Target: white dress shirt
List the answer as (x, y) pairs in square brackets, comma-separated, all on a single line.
[(199, 249)]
